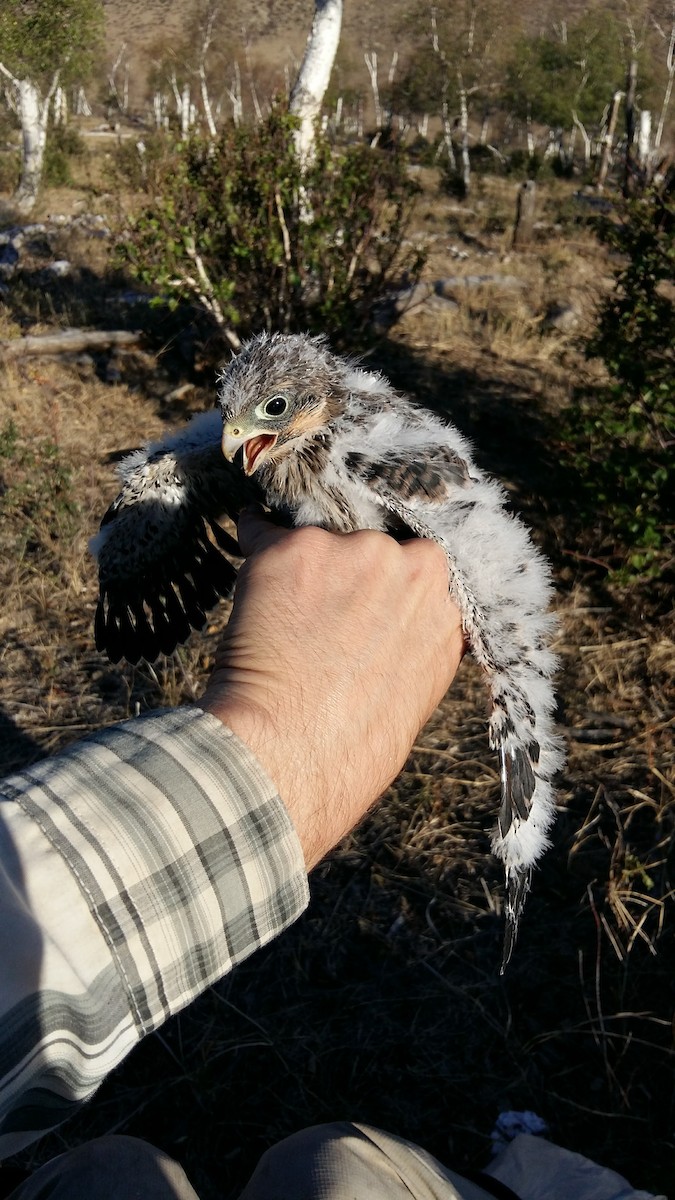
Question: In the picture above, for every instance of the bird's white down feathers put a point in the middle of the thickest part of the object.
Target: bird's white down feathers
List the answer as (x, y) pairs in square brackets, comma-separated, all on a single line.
[(347, 453)]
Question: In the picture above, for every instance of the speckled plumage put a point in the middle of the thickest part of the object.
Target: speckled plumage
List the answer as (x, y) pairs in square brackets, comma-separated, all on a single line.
[(333, 445)]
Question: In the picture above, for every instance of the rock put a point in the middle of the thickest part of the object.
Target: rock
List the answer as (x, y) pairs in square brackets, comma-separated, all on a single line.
[(592, 200), (60, 268), (85, 365), (441, 304), (562, 317), (412, 297), (9, 257), (459, 283)]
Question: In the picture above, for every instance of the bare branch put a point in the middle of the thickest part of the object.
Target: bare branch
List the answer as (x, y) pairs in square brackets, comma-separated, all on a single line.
[(204, 290), (285, 236), (8, 75), (370, 58)]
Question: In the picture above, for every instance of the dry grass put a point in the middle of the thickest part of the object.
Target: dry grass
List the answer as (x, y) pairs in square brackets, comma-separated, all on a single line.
[(384, 1002)]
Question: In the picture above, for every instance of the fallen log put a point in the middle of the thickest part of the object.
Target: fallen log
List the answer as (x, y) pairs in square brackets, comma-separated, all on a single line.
[(69, 341)]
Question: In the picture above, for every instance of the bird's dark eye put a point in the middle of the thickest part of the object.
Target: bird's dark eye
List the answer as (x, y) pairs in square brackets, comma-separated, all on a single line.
[(276, 406)]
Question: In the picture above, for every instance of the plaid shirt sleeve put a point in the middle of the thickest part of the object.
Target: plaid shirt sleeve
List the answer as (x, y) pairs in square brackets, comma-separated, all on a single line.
[(136, 869)]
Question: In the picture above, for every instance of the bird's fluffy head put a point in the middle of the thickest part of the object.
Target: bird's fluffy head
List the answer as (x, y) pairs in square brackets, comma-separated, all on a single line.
[(280, 391)]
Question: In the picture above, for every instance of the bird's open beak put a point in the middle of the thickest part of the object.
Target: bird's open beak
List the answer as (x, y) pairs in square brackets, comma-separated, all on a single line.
[(254, 447)]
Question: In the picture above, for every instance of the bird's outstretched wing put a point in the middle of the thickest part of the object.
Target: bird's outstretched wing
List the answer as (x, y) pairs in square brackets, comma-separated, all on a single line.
[(437, 494), (159, 546)]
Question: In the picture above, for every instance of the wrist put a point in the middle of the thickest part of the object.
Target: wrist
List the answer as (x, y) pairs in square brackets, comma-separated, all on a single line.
[(287, 762)]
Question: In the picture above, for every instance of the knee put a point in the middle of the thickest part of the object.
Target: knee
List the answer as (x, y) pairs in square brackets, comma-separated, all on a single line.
[(113, 1167), (310, 1164), (126, 1153)]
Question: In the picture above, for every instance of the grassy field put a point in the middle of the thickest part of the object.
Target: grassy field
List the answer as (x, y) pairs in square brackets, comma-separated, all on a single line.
[(384, 1002)]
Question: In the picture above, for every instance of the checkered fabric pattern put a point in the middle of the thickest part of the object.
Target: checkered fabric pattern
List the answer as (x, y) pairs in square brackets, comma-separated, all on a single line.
[(136, 869)]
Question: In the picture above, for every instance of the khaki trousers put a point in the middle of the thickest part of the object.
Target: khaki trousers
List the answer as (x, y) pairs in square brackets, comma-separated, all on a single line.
[(340, 1161)]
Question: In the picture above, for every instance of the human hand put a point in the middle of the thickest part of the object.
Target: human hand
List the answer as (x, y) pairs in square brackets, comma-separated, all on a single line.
[(338, 650)]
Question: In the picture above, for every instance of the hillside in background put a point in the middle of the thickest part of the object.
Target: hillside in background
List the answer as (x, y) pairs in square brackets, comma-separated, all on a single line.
[(269, 37)]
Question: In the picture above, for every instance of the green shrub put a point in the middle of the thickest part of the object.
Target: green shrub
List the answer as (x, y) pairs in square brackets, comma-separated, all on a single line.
[(63, 144), (623, 438), (424, 151), (282, 247), (141, 163)]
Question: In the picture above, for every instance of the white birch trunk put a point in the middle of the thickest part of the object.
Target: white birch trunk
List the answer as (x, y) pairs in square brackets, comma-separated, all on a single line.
[(123, 100), (664, 110), (257, 110), (203, 85), (206, 103), (445, 114), (551, 145), (464, 126), (60, 107), (315, 71), (158, 109), (82, 105), (234, 94), (670, 68), (391, 75), (176, 94), (529, 134), (644, 139), (33, 114), (447, 130), (185, 111), (585, 138), (608, 140), (370, 60)]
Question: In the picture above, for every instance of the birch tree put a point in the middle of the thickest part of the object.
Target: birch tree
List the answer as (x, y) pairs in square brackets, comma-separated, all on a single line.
[(42, 47), (315, 71), (457, 60), (668, 35), (204, 68)]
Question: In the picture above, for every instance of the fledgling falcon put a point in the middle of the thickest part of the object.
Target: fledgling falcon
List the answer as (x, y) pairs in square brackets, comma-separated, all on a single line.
[(330, 444)]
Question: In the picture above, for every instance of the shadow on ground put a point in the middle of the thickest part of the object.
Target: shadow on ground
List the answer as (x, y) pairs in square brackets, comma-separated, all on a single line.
[(17, 748)]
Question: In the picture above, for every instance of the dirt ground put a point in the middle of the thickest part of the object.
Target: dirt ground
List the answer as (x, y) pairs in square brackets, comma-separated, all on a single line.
[(384, 1002)]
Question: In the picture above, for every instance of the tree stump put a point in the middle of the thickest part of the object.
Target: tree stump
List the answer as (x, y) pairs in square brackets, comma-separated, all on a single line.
[(524, 228)]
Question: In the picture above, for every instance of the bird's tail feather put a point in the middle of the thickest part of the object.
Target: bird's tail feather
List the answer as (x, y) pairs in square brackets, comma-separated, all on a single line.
[(517, 887)]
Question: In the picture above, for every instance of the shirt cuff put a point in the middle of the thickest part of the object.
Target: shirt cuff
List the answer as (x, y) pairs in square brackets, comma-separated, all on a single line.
[(184, 851)]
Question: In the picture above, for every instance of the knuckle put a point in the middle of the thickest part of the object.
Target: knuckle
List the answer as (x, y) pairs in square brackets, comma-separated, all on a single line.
[(374, 542), (429, 559)]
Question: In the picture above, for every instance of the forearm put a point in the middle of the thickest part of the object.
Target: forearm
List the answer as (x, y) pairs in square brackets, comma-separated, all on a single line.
[(135, 870)]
